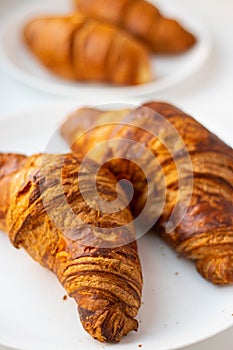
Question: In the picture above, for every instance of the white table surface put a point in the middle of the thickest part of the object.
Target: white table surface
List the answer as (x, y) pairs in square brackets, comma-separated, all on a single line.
[(208, 93)]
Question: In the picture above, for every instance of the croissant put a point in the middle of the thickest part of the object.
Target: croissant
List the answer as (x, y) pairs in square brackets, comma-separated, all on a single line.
[(79, 48), (143, 20), (205, 233), (92, 252)]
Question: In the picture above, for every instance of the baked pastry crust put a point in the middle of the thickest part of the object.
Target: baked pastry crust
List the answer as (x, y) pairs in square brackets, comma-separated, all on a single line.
[(205, 233), (79, 48), (43, 211), (144, 21)]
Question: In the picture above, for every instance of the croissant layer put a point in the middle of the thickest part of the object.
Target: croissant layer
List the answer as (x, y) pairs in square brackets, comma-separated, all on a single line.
[(92, 252), (143, 20), (80, 48), (199, 160)]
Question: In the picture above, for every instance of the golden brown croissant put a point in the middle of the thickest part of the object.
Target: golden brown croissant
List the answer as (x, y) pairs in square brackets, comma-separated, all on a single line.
[(43, 211), (79, 48), (205, 233), (142, 19)]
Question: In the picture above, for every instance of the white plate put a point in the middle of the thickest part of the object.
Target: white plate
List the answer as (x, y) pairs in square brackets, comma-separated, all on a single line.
[(168, 70), (178, 309)]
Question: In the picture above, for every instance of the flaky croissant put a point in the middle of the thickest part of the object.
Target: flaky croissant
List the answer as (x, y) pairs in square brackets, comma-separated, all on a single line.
[(142, 19), (79, 48), (43, 211), (205, 233)]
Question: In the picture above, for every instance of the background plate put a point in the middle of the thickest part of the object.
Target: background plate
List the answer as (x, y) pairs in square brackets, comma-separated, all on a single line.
[(179, 307), (168, 71)]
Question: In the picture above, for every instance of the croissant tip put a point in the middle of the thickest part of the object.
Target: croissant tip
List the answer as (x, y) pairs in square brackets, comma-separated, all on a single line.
[(110, 326), (185, 39), (218, 270), (173, 38), (190, 39), (126, 324)]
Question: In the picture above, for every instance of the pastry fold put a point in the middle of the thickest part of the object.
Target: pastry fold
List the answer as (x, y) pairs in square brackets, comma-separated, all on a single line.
[(77, 47), (205, 233), (92, 252), (144, 21)]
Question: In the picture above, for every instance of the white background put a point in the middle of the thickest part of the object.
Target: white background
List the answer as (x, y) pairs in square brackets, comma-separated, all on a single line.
[(209, 93)]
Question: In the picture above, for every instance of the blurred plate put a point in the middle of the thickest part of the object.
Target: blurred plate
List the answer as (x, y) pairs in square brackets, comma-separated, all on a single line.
[(168, 71), (179, 307)]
